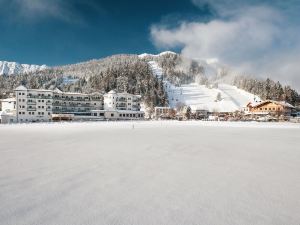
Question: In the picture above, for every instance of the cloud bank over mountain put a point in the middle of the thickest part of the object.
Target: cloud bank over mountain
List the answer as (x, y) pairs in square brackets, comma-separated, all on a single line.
[(261, 38)]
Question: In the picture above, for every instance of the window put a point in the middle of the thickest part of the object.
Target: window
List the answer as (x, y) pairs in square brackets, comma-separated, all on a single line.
[(20, 113), (23, 93), (101, 114), (95, 114), (49, 113), (20, 93), (112, 115)]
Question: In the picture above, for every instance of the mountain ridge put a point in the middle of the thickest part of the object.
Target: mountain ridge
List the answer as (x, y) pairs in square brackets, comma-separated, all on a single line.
[(10, 68)]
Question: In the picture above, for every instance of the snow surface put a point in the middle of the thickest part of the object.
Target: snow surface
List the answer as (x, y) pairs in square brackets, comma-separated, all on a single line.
[(202, 97), (9, 68), (144, 55), (134, 173)]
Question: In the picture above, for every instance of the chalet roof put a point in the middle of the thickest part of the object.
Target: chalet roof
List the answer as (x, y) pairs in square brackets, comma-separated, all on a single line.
[(112, 92), (282, 103), (8, 100), (57, 90), (21, 88)]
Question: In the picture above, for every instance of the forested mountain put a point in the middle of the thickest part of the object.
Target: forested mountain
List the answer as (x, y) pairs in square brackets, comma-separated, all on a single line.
[(178, 69), (268, 89), (133, 74), (120, 72)]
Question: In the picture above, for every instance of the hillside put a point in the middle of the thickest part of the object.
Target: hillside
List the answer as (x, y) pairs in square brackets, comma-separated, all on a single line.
[(215, 98), (147, 74)]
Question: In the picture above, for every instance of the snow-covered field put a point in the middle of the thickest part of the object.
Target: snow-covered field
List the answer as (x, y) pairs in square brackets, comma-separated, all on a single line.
[(150, 173)]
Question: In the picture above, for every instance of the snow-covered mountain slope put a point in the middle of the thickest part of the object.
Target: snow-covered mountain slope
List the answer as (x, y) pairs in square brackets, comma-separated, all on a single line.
[(144, 55), (8, 68), (201, 97)]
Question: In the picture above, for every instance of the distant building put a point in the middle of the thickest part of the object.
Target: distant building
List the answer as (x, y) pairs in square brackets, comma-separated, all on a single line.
[(269, 107), (8, 113), (164, 112), (78, 104), (8, 104), (33, 105), (117, 114), (40, 105), (121, 101), (200, 113)]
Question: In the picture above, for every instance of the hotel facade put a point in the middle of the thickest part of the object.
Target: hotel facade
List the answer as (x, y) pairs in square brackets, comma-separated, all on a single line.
[(41, 105)]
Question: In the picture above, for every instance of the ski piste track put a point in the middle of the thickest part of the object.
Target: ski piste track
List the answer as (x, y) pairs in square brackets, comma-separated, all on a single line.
[(202, 97)]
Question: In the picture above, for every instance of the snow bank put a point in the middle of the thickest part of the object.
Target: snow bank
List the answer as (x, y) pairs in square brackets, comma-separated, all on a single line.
[(150, 173)]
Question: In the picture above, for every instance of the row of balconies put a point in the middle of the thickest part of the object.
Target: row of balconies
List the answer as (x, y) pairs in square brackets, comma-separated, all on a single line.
[(69, 103), (76, 99), (39, 97), (69, 110), (34, 109), (34, 103)]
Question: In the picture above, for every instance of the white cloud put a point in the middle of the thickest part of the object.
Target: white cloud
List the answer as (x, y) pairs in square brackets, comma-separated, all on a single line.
[(254, 39), (33, 10)]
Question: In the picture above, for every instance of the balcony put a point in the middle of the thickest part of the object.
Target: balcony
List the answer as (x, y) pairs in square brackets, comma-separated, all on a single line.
[(31, 103), (122, 104), (122, 100), (31, 109)]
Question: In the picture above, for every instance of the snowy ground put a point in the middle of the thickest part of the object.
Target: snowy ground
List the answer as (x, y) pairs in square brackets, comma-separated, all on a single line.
[(150, 173), (201, 97)]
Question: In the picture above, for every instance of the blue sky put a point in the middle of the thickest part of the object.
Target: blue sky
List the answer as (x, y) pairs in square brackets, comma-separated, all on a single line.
[(258, 37), (56, 32)]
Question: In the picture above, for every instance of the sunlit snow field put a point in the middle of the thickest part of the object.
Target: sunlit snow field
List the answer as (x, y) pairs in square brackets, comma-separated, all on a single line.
[(136, 173)]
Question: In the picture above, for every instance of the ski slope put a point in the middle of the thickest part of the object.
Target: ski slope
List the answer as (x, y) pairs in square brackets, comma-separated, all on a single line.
[(202, 97)]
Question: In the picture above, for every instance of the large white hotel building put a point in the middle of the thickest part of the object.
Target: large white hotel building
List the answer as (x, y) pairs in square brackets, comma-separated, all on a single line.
[(40, 105)]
